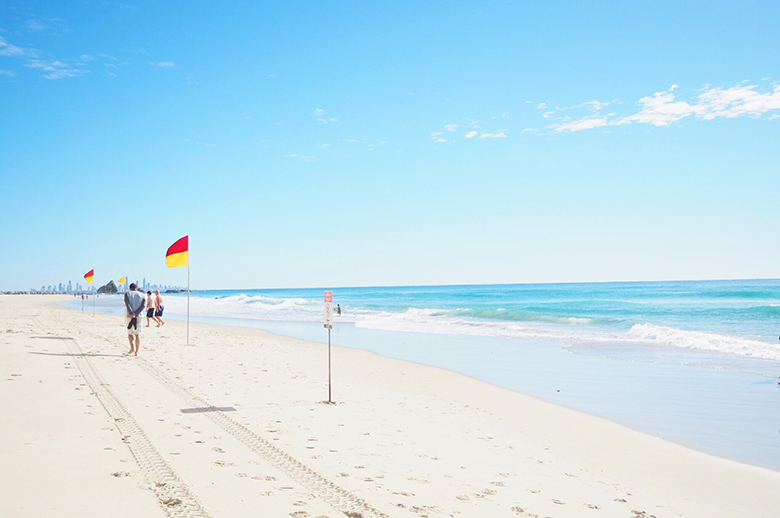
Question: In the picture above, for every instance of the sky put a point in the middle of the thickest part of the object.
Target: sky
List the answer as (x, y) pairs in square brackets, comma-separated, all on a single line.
[(331, 144)]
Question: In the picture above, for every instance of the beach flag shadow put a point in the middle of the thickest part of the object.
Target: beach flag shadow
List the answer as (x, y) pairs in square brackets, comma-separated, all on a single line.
[(207, 409)]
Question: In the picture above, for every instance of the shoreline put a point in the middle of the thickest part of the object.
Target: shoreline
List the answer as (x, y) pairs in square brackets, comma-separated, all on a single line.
[(402, 436)]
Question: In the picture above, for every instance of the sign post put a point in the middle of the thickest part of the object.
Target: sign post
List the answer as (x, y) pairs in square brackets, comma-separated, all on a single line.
[(329, 326)]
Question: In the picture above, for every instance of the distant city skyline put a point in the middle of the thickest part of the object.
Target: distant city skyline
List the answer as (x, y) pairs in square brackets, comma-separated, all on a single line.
[(69, 289)]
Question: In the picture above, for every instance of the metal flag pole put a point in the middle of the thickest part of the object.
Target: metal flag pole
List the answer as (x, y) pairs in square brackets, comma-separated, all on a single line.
[(188, 301), (329, 326)]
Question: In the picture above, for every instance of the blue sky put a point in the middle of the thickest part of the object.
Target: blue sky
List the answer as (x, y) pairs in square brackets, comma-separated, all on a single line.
[(355, 143)]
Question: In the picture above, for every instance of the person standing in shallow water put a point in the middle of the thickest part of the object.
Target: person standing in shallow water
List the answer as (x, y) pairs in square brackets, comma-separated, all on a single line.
[(135, 302), (158, 303)]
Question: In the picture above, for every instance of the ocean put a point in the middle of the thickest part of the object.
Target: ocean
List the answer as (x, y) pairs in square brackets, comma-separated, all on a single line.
[(694, 362)]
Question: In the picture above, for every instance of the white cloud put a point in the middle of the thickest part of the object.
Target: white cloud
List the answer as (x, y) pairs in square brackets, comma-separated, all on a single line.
[(501, 134), (325, 147), (162, 64), (472, 134), (320, 114), (596, 105), (34, 25), (8, 50), (451, 127), (6, 73), (662, 109), (582, 125), (666, 108), (436, 137), (55, 69)]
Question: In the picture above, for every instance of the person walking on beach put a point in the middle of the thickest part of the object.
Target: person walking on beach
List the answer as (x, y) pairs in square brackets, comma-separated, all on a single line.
[(158, 303), (135, 302), (150, 308), (338, 309)]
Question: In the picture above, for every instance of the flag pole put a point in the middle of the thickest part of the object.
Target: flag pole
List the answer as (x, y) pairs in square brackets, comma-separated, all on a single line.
[(188, 301)]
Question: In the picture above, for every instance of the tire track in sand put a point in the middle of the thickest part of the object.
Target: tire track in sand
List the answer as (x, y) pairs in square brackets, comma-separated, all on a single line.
[(339, 498), (171, 492)]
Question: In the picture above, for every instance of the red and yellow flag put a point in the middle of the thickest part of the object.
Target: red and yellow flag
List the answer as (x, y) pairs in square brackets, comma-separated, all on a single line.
[(90, 276), (179, 253)]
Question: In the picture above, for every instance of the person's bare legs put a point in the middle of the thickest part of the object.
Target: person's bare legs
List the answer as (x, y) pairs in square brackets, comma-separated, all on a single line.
[(134, 344)]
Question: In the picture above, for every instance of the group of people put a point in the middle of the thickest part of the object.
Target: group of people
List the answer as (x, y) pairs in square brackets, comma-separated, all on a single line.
[(154, 308), (135, 304)]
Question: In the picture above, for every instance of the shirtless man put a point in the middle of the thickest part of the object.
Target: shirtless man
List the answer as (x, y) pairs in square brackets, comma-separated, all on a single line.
[(150, 308), (158, 304)]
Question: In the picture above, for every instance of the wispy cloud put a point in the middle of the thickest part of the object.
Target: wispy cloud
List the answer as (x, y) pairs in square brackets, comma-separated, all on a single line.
[(7, 73), (325, 147), (666, 108), (163, 64), (436, 136), (55, 69), (8, 50), (34, 25), (471, 130), (320, 114), (305, 158)]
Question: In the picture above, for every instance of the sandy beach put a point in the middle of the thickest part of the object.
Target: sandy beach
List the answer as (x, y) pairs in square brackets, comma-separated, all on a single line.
[(238, 424)]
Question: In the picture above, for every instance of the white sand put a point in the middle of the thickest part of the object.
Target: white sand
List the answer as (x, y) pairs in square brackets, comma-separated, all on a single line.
[(88, 432)]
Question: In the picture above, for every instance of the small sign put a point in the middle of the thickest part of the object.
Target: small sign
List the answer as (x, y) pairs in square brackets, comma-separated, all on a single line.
[(329, 309)]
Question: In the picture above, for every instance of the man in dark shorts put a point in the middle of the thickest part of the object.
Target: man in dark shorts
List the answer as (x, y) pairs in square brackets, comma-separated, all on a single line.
[(158, 302), (149, 308)]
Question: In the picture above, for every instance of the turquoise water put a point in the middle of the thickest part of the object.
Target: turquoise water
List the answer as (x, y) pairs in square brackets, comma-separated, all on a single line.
[(693, 362)]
